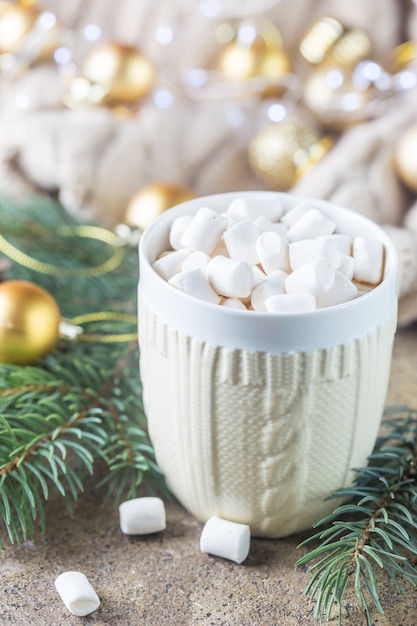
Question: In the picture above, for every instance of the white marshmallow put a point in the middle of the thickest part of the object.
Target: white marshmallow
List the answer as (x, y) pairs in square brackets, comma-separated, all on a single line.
[(77, 593), (240, 241), (342, 290), (170, 264), (290, 217), (311, 224), (258, 275), (252, 209), (194, 261), (176, 232), (263, 224), (238, 208), (142, 516), (226, 539), (231, 219), (368, 255), (291, 303), (272, 250), (230, 278), (316, 278), (219, 250), (273, 285), (343, 242), (194, 283), (306, 250), (233, 303), (204, 231), (347, 265)]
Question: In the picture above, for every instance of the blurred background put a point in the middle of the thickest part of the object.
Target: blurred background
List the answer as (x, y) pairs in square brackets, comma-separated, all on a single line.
[(119, 108)]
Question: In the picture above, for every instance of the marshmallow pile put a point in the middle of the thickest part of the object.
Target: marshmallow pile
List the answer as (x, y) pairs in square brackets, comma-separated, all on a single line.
[(259, 258)]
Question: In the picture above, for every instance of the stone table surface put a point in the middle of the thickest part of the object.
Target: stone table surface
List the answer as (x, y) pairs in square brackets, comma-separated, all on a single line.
[(163, 579)]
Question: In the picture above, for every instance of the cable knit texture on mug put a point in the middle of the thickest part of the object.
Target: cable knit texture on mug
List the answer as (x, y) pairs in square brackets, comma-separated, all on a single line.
[(223, 411)]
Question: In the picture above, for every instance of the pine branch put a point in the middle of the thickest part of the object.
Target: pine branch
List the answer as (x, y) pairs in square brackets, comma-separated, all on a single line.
[(80, 407), (375, 529)]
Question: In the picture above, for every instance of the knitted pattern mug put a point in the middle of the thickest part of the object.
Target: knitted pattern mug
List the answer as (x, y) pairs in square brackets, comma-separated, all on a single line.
[(257, 417)]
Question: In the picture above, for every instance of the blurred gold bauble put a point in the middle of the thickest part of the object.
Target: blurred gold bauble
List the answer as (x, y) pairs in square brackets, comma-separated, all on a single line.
[(153, 200), (402, 57), (16, 22), (261, 55), (29, 322), (281, 153), (329, 42), (120, 71), (405, 158), (334, 99)]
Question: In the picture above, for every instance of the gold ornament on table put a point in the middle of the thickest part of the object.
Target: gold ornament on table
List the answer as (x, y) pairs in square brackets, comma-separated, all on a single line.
[(280, 154), (29, 322), (252, 49), (154, 199), (405, 158), (112, 74)]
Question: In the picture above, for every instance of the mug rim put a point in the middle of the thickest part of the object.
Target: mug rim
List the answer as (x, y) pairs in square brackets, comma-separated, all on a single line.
[(260, 330)]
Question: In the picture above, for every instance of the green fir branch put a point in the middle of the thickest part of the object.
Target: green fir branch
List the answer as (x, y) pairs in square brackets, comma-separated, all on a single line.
[(375, 529), (79, 410)]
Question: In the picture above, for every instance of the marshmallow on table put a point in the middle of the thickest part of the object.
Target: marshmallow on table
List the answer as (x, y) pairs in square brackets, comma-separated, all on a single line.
[(204, 231), (142, 516), (229, 540), (194, 283), (77, 593), (342, 290), (230, 278), (290, 303), (368, 255), (306, 250), (177, 229), (272, 248), (315, 277), (311, 224), (273, 285), (240, 241), (170, 264)]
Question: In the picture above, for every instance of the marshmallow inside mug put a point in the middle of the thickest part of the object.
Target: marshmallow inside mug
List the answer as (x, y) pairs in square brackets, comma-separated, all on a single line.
[(256, 417)]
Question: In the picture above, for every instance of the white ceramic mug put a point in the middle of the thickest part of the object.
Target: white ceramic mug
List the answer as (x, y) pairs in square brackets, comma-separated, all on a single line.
[(257, 417)]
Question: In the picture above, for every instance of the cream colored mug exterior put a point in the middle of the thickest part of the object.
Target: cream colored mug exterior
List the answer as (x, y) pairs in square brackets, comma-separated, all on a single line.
[(258, 417)]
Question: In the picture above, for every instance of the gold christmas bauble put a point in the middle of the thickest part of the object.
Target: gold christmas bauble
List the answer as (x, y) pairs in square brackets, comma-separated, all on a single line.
[(153, 200), (16, 21), (281, 153), (334, 99), (259, 54), (29, 322), (123, 74), (405, 158), (328, 41)]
